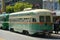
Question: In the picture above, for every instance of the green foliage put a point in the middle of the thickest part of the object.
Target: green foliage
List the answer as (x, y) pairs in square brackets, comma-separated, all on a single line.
[(59, 1), (27, 5), (19, 6), (9, 9)]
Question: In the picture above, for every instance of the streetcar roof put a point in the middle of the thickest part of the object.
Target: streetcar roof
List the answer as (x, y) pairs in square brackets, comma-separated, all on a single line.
[(34, 10)]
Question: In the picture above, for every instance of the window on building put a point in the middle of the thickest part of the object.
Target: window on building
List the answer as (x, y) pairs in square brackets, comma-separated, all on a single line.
[(55, 5), (59, 6), (44, 4)]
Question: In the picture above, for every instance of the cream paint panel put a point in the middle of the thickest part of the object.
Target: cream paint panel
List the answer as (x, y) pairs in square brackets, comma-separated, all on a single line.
[(20, 17)]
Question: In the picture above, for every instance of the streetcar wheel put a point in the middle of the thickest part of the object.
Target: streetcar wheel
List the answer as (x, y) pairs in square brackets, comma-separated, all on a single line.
[(11, 29), (25, 32)]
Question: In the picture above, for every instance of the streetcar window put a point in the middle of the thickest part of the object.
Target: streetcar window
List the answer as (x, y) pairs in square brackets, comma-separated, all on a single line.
[(33, 20), (41, 18), (48, 19), (27, 20)]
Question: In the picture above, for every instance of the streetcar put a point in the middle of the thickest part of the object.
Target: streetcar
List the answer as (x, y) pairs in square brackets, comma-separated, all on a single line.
[(30, 21)]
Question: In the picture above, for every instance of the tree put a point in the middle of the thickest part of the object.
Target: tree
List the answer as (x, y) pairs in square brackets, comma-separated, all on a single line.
[(27, 5), (9, 9), (19, 6), (59, 1)]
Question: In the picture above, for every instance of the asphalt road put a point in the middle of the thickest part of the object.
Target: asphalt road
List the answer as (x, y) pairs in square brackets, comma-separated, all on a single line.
[(7, 35)]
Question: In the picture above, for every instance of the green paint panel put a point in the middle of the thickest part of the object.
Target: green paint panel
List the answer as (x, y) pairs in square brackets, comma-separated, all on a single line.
[(31, 27), (40, 27)]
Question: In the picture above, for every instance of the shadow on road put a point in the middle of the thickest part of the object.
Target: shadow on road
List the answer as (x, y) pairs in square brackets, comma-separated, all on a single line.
[(42, 36), (46, 36)]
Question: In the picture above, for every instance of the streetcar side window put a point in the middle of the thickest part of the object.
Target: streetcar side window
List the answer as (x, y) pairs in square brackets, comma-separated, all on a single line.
[(41, 18), (27, 19), (48, 19), (33, 20)]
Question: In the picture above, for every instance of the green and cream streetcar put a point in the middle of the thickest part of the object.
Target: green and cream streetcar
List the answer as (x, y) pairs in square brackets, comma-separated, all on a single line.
[(31, 21)]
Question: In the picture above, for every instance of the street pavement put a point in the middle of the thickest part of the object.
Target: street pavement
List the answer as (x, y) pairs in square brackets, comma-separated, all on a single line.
[(7, 35)]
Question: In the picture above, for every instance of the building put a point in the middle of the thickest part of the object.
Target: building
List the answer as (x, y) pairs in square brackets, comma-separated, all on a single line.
[(51, 4)]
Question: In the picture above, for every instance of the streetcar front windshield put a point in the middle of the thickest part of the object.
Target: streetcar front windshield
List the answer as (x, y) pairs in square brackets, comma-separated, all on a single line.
[(41, 18), (48, 19), (44, 18)]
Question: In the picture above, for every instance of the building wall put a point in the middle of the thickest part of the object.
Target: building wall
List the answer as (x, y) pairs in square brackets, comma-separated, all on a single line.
[(35, 2), (51, 4), (54, 6)]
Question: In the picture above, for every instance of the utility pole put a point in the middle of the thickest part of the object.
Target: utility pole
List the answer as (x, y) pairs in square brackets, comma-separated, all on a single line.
[(3, 6)]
